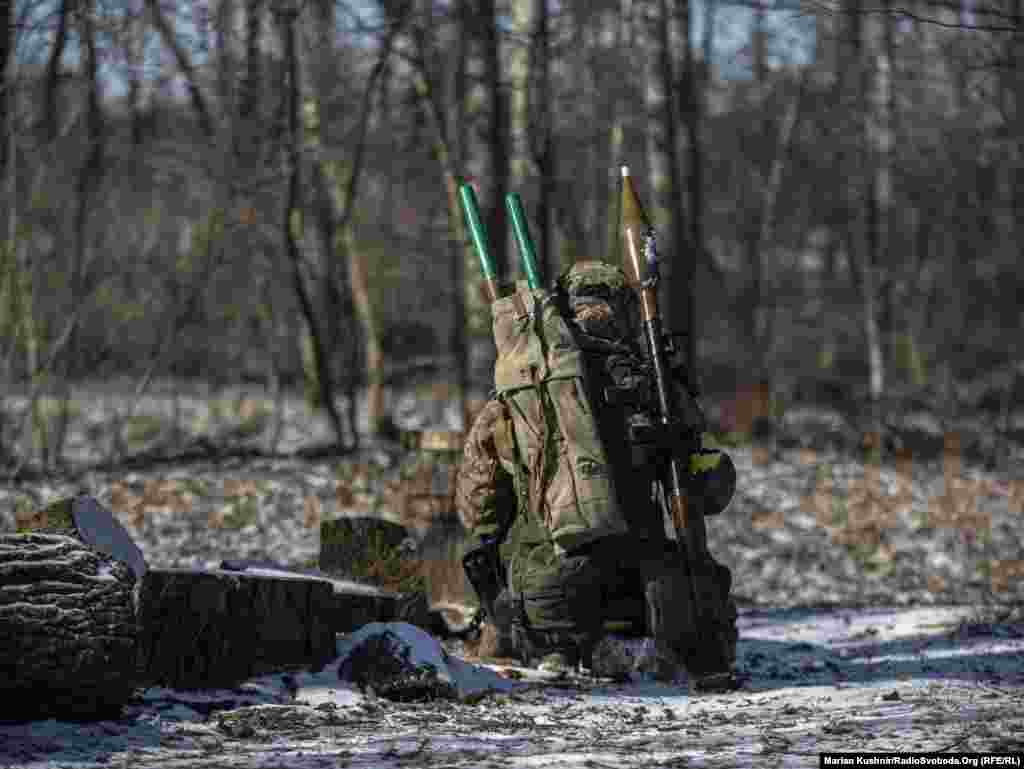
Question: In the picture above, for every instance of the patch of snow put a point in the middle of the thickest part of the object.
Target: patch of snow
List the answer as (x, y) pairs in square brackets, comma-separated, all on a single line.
[(340, 585), (105, 572), (424, 649), (315, 689)]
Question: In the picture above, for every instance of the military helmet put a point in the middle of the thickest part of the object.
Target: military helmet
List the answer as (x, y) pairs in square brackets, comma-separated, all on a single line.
[(599, 298)]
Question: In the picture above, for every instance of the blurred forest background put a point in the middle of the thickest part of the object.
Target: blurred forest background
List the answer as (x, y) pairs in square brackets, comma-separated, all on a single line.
[(262, 192)]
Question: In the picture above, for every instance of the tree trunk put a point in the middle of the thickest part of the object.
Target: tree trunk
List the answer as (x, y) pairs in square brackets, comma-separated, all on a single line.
[(292, 215), (357, 267), (677, 254), (135, 30), (497, 133), (690, 98), (1017, 68), (225, 59), (708, 47), (344, 191), (252, 86), (339, 309), (6, 81), (373, 350), (250, 112), (89, 178), (458, 246), (616, 134), (648, 39), (520, 102), (759, 44), (876, 182), (11, 277), (53, 73), (880, 139), (544, 151), (451, 148)]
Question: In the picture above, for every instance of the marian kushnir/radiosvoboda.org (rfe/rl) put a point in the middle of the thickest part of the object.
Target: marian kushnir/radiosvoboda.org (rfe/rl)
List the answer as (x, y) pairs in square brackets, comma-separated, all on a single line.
[(922, 759)]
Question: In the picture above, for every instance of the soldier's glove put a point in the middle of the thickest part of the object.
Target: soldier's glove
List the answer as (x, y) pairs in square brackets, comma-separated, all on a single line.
[(487, 575)]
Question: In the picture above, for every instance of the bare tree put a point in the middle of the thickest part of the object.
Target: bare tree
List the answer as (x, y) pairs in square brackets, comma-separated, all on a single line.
[(89, 178), (286, 20), (1015, 70), (531, 116), (541, 110), (134, 43), (666, 175), (617, 104), (867, 236), (497, 134), (451, 147), (338, 307), (252, 86), (7, 42), (345, 186), (458, 242), (689, 88), (53, 65), (519, 79), (252, 93)]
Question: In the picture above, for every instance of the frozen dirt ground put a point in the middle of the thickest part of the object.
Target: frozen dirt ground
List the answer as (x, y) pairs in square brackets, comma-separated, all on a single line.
[(930, 679), (824, 667)]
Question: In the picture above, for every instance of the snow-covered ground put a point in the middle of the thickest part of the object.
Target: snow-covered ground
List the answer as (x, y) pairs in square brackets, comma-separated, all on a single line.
[(814, 680)]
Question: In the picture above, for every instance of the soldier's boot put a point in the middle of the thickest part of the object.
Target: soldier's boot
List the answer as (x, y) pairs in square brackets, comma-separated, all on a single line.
[(503, 635), (560, 651), (704, 643), (498, 643)]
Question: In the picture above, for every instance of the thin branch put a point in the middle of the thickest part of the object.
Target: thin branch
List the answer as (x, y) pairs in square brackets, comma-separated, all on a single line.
[(364, 120), (902, 12), (184, 64), (819, 6)]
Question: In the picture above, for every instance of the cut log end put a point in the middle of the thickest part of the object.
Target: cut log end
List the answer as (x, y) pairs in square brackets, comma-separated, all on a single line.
[(67, 629)]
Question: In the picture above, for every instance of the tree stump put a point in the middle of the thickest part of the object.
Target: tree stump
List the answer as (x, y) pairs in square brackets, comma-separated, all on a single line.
[(357, 547), (67, 629), (201, 629)]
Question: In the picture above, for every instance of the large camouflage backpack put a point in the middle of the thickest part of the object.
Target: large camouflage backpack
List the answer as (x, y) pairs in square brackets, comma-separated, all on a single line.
[(561, 462), (580, 396)]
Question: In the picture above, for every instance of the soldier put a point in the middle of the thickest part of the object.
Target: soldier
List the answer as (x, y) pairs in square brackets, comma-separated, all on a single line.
[(549, 603)]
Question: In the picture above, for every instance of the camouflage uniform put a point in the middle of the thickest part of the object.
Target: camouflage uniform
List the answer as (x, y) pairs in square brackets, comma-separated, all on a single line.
[(562, 598)]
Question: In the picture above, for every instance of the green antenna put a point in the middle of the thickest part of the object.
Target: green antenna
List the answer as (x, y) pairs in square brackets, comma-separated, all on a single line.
[(471, 212), (527, 253)]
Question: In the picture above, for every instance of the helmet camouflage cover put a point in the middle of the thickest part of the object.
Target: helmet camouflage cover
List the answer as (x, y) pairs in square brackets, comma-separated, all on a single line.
[(599, 297)]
